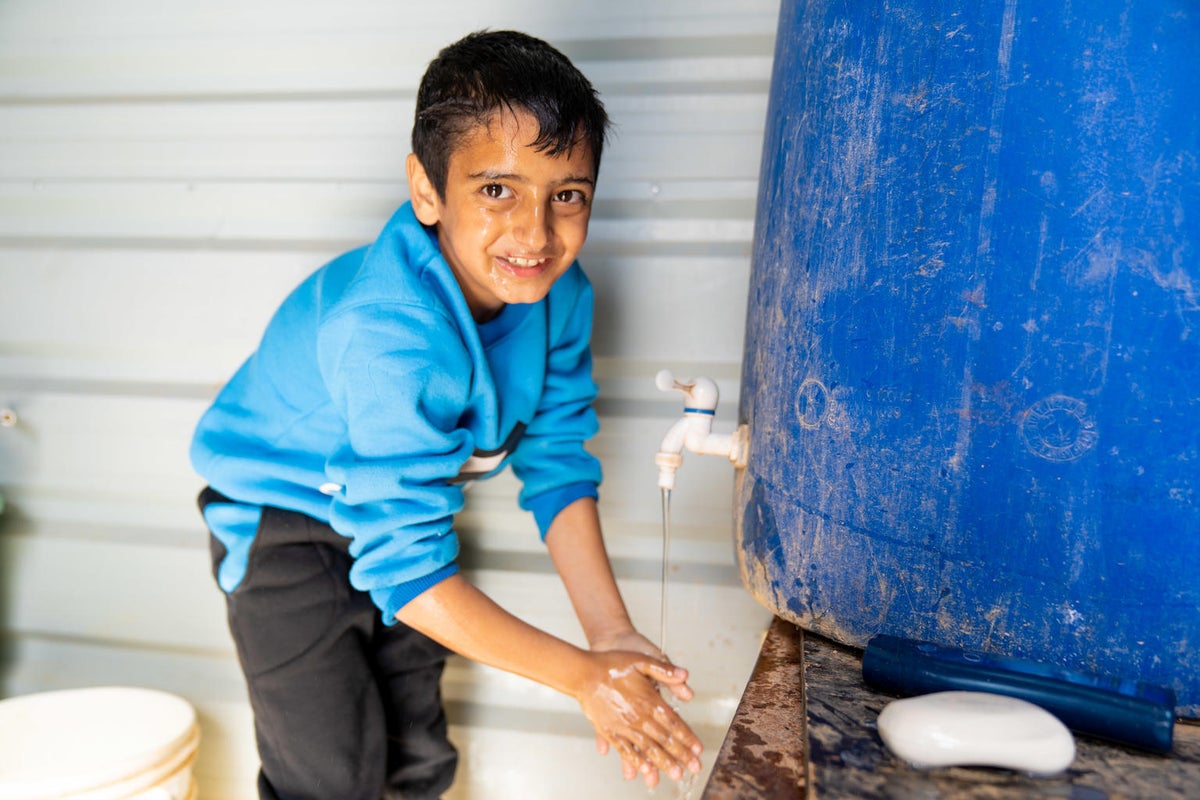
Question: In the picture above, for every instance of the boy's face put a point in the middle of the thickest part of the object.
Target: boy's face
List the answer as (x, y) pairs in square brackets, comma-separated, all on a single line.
[(513, 219)]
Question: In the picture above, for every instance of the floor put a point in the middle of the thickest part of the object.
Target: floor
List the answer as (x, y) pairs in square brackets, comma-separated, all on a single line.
[(805, 728)]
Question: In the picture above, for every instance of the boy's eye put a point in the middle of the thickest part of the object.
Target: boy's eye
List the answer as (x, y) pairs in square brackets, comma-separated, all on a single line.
[(571, 196), (496, 191)]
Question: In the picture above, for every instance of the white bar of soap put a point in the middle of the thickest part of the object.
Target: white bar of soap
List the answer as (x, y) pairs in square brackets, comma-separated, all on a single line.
[(948, 729)]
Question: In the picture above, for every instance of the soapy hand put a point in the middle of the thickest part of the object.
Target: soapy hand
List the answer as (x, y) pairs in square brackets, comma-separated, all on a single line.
[(634, 642), (621, 700)]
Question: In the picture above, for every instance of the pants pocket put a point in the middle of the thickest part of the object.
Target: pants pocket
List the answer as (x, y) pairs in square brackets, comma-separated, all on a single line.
[(289, 602)]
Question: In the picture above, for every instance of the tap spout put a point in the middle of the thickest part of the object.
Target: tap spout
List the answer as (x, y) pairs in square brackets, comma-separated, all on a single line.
[(694, 430)]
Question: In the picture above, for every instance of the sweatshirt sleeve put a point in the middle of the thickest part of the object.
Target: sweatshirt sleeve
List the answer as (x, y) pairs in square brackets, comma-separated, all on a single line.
[(551, 461), (399, 376)]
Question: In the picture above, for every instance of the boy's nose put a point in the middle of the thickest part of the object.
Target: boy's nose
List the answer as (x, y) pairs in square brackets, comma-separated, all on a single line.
[(532, 229)]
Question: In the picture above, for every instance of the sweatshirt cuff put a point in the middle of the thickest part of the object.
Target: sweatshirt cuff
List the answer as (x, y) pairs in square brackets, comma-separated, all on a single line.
[(393, 598), (545, 506)]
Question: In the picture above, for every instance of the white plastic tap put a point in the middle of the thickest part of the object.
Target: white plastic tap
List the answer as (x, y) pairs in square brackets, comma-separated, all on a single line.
[(694, 431)]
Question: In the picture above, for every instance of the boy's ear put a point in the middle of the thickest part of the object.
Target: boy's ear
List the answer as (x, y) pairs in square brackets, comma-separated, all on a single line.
[(426, 203)]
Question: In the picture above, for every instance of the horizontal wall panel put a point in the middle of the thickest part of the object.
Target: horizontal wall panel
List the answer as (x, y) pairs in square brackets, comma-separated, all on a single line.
[(88, 74), (45, 661), (173, 324), (670, 310), (129, 453), (167, 597), (68, 588), (137, 20), (166, 603), (285, 216), (332, 120), (169, 49), (337, 140), (186, 215), (118, 448)]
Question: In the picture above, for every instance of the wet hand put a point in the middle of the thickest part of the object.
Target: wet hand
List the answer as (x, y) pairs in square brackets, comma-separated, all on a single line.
[(634, 642), (620, 698)]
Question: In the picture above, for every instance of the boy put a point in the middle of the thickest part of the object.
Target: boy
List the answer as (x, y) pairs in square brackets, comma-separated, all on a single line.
[(336, 457)]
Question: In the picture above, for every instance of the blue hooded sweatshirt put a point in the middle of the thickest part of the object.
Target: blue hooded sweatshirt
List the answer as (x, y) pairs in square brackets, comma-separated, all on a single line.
[(374, 397)]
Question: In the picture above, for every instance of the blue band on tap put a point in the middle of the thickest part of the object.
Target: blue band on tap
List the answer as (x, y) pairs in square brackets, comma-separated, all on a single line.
[(710, 411)]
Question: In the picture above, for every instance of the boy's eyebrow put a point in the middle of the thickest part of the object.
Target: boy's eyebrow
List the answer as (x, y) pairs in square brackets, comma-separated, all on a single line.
[(511, 176)]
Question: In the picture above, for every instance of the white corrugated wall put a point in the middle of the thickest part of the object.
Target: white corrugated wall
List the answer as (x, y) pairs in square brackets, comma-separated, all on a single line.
[(169, 170)]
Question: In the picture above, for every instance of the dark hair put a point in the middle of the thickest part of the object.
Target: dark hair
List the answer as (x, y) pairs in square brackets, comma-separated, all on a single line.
[(487, 71)]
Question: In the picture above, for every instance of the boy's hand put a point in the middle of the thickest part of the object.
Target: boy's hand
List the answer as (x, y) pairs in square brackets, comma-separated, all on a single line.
[(577, 548), (634, 642), (621, 700)]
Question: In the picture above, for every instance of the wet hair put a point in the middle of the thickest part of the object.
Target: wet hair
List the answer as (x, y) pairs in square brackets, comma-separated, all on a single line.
[(489, 71)]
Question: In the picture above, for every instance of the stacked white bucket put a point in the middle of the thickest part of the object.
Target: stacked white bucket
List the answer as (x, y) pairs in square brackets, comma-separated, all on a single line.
[(106, 743)]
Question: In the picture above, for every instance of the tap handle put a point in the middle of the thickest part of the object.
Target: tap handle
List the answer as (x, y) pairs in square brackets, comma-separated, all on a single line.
[(665, 381), (698, 393)]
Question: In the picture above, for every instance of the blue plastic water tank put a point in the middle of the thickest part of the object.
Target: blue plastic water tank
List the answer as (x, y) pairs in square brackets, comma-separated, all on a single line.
[(972, 368)]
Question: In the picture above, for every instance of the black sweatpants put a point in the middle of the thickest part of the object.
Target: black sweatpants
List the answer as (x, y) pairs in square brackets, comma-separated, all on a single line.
[(345, 707)]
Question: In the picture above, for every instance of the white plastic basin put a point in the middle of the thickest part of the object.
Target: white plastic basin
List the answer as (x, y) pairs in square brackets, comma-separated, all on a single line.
[(104, 743)]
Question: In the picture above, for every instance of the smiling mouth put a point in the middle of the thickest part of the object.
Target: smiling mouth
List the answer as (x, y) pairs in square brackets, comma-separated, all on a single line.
[(524, 267)]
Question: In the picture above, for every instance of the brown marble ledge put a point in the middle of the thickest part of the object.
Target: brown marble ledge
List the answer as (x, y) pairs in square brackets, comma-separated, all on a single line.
[(805, 728)]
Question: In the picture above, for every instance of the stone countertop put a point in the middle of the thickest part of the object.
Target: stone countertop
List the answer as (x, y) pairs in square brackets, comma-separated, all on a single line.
[(805, 727)]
